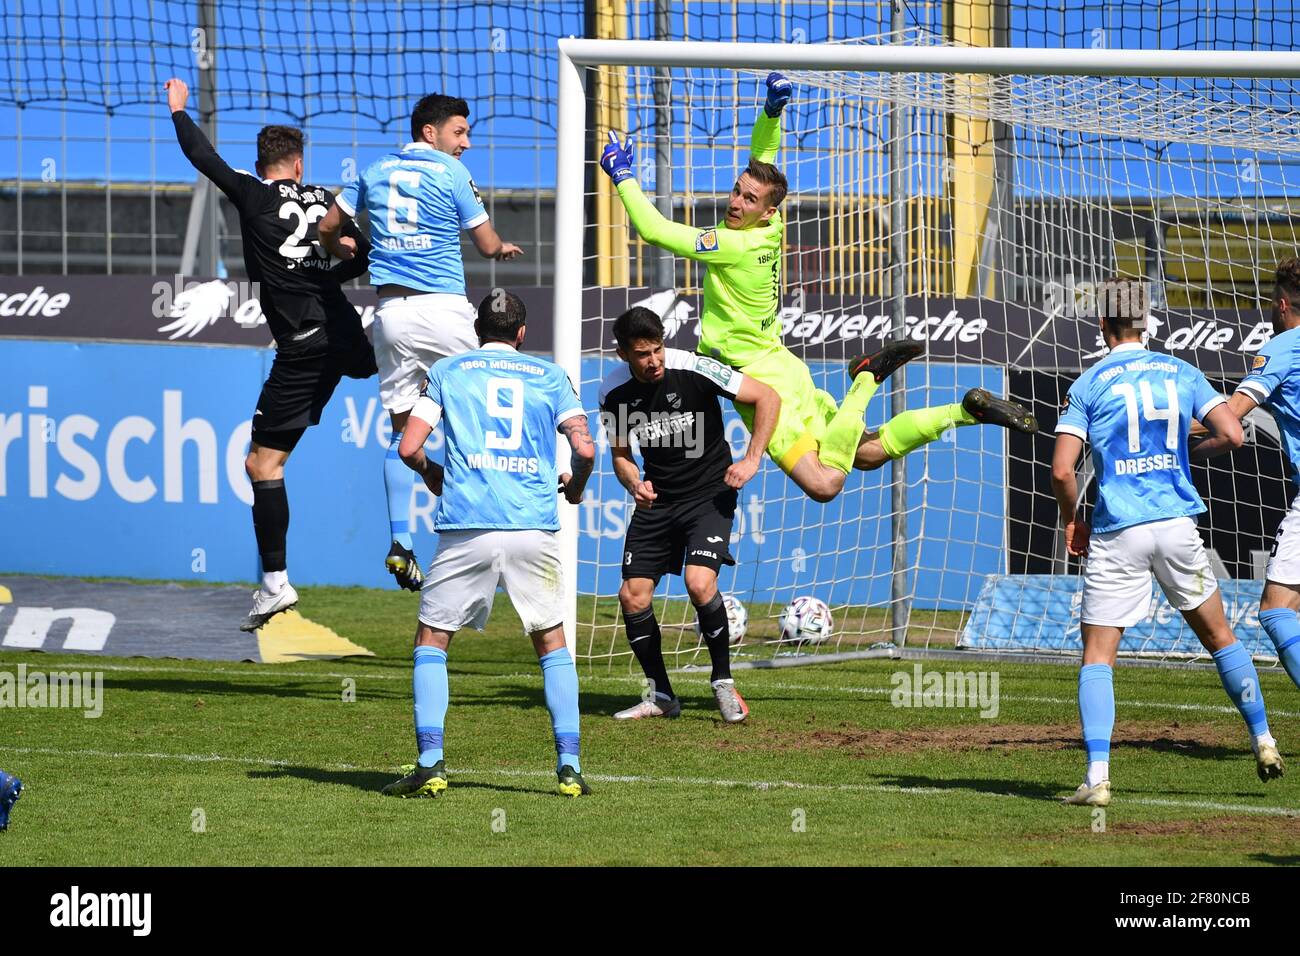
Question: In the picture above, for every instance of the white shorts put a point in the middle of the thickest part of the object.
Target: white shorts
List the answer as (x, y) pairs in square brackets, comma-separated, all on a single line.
[(411, 333), (1117, 575), (1284, 561), (469, 567)]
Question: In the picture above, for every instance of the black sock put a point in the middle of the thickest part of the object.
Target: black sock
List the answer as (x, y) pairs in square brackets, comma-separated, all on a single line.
[(713, 620), (643, 635), (271, 522)]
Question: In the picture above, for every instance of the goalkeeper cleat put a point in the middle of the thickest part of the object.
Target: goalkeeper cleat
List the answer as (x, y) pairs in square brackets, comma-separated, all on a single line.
[(402, 564), (571, 783), (651, 708), (990, 410), (1268, 763), (886, 362), (1086, 796), (730, 703), (267, 606), (419, 781), (11, 788)]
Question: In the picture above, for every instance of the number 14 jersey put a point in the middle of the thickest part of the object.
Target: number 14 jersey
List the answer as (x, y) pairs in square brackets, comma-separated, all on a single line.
[(1135, 407)]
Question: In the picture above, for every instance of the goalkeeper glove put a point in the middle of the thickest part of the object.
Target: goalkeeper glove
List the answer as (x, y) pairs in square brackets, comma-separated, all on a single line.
[(779, 91), (616, 159)]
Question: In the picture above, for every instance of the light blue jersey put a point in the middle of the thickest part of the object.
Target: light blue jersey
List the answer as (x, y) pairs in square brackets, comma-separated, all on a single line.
[(419, 199), (500, 410), (1274, 382), (1135, 407)]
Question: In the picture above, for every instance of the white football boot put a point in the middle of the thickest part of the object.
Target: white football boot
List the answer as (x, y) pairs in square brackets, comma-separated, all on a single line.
[(1086, 796), (267, 606), (658, 707), (730, 703), (1268, 762)]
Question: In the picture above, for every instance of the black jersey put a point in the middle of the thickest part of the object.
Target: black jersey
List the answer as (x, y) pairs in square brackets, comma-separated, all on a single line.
[(676, 423), (277, 219)]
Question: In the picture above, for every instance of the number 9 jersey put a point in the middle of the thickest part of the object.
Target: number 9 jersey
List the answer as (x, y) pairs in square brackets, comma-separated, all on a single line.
[(502, 410), (1135, 407)]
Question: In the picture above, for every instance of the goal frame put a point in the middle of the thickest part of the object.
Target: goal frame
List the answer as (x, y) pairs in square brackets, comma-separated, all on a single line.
[(574, 55)]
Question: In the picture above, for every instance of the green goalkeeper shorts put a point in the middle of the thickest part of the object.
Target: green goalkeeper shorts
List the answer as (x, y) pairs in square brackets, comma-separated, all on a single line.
[(805, 409)]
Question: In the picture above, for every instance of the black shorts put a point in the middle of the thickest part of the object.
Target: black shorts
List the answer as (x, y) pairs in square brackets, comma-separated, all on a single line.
[(662, 539), (301, 383)]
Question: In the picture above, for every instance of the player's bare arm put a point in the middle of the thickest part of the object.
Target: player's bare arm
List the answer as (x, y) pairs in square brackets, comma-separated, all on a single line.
[(1066, 488), (412, 452), (583, 457), (330, 230), (1223, 424), (629, 476), (490, 245), (767, 408)]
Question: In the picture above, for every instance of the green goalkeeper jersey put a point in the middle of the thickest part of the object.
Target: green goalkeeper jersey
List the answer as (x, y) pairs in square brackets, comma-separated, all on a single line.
[(742, 285)]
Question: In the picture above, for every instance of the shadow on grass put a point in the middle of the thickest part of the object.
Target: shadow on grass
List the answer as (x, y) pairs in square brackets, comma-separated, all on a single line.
[(1274, 860), (367, 780), (373, 782), (1015, 788), (326, 689)]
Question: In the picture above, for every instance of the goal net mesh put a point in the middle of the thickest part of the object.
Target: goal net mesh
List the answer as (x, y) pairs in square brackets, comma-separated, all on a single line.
[(1021, 195)]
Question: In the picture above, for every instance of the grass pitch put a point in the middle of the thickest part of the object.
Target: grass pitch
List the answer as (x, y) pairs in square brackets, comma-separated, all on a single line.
[(198, 763)]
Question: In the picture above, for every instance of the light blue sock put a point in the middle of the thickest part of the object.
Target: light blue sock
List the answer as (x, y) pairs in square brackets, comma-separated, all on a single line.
[(431, 694), (1097, 709), (1237, 671), (1283, 627), (398, 482), (560, 683)]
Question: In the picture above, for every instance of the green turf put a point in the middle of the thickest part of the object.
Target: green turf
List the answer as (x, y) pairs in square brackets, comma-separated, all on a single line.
[(282, 770)]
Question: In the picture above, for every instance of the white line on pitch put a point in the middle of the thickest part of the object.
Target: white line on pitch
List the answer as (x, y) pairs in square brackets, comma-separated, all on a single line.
[(820, 688), (762, 785)]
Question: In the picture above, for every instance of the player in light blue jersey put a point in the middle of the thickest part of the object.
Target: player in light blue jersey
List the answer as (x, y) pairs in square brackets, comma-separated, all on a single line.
[(497, 521), (1135, 407), (1273, 383), (418, 200)]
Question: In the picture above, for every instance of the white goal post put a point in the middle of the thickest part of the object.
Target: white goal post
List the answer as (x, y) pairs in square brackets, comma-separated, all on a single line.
[(1123, 106)]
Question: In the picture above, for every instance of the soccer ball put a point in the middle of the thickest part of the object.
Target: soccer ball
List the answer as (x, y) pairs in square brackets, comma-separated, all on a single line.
[(737, 620), (806, 620)]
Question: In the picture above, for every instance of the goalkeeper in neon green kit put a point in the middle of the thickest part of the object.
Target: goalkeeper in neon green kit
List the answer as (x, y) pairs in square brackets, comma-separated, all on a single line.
[(816, 442)]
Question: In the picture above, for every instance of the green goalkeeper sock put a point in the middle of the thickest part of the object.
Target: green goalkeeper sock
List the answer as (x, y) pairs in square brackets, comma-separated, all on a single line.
[(843, 434), (908, 431)]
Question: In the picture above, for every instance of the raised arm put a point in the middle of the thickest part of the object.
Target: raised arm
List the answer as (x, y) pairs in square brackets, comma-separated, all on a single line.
[(765, 138), (198, 150), (707, 245)]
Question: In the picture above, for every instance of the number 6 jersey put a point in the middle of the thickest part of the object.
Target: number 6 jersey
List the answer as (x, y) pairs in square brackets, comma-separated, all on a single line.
[(501, 410), (1135, 407)]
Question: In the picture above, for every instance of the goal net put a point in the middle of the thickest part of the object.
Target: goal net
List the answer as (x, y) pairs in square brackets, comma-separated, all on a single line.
[(972, 212)]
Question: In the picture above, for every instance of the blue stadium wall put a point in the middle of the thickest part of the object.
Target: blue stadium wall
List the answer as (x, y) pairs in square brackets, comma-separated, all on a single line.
[(127, 460)]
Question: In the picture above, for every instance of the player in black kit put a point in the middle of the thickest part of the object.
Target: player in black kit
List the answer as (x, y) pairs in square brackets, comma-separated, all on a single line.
[(318, 335), (667, 401)]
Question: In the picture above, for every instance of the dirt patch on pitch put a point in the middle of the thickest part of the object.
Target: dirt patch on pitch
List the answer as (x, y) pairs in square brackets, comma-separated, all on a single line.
[(1284, 828), (1170, 736)]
